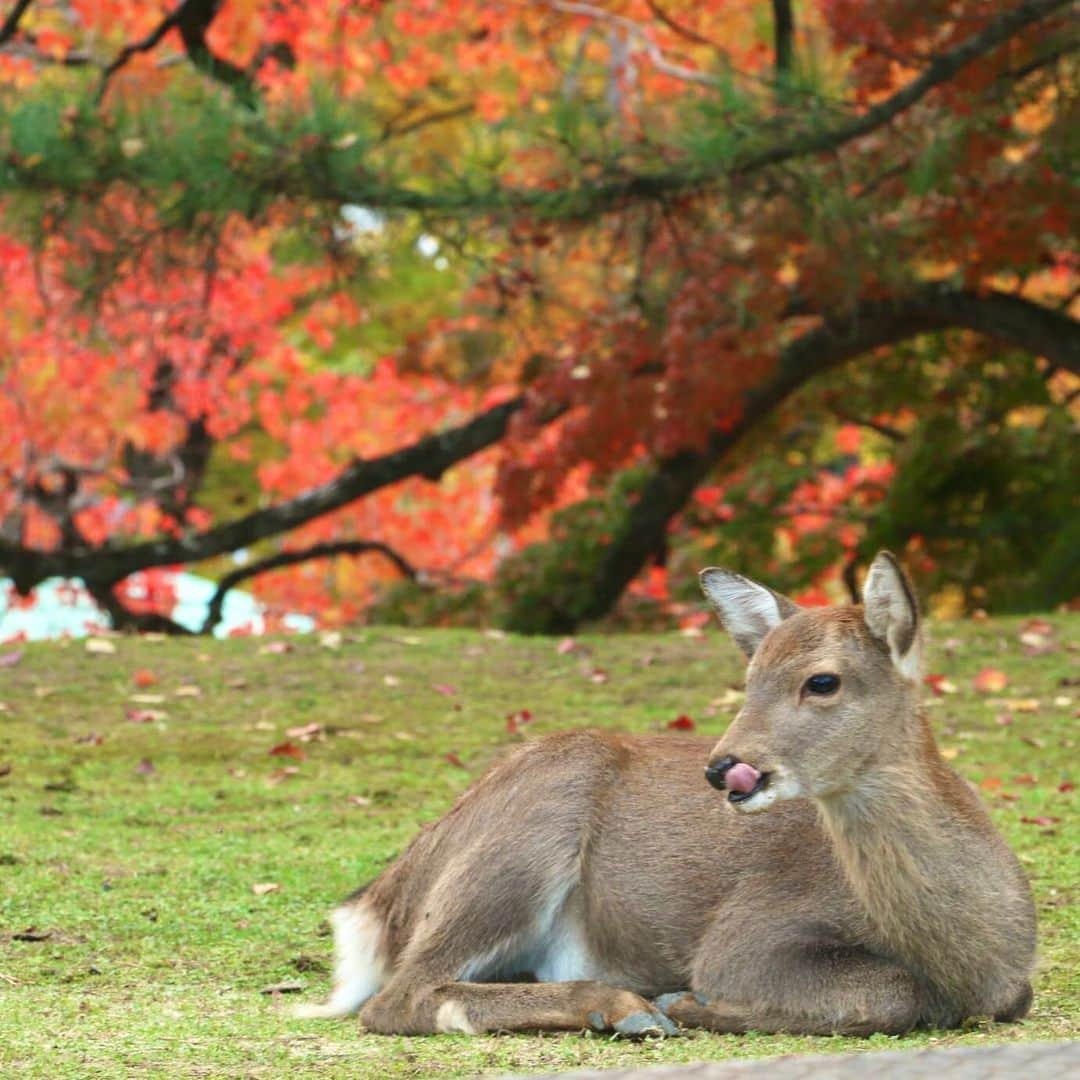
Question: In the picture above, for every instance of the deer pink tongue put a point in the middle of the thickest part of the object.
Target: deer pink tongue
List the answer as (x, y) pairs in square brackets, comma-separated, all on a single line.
[(741, 778)]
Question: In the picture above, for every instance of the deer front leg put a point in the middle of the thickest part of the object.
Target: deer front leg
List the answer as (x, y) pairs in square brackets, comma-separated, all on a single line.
[(408, 1008), (806, 991)]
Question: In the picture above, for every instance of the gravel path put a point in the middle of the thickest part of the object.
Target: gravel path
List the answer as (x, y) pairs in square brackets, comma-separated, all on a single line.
[(1046, 1061)]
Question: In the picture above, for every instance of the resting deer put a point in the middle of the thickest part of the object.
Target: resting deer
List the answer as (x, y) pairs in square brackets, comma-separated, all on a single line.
[(849, 882)]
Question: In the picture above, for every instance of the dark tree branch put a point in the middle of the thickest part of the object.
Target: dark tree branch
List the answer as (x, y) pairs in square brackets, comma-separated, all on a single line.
[(678, 28), (11, 24), (292, 558), (783, 38), (192, 19), (841, 337), (429, 457), (123, 619)]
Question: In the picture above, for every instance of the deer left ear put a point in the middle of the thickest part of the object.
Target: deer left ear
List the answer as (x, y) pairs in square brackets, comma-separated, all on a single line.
[(892, 613)]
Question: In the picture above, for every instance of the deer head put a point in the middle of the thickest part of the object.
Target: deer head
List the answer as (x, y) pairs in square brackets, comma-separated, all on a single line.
[(831, 693)]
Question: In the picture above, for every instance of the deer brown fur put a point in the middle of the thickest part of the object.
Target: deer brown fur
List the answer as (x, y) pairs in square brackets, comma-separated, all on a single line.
[(850, 882)]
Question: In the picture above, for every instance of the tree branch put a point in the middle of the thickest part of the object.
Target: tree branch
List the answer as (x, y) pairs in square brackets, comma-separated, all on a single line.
[(292, 558), (429, 457), (11, 24), (783, 38), (841, 337), (192, 19)]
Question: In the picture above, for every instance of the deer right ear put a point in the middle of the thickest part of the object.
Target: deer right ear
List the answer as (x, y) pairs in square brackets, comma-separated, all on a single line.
[(747, 610)]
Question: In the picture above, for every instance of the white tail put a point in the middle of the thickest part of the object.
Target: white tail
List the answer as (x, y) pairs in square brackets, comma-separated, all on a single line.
[(848, 882)]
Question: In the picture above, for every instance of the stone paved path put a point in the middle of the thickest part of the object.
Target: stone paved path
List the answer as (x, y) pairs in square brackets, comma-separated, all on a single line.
[(1029, 1061)]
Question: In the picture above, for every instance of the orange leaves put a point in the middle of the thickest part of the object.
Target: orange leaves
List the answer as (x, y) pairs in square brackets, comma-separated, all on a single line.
[(991, 681)]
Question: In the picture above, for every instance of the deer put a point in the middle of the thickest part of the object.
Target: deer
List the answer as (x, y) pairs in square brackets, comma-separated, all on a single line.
[(819, 870)]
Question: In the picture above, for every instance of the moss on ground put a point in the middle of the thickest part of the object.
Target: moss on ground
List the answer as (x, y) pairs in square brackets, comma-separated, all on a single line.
[(132, 941)]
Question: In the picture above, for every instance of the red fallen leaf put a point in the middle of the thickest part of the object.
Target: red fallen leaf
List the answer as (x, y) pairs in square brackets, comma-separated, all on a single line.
[(145, 767), (1066, 787), (143, 678), (1008, 796), (598, 675), (1041, 819), (939, 684), (514, 720), (281, 774), (991, 783), (10, 659), (454, 760), (1038, 626), (681, 723), (288, 749), (1027, 779), (991, 681), (444, 688)]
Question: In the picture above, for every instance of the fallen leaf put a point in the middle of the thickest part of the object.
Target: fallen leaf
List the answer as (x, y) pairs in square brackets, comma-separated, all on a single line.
[(681, 723), (571, 646), (282, 987), (495, 635), (358, 800), (391, 680), (148, 699), (1066, 786), (145, 767), (145, 716), (101, 646), (44, 691), (305, 733), (237, 774), (188, 690), (276, 648), (331, 639), (1024, 705), (1027, 779), (90, 739), (237, 683), (1041, 819), (1031, 740), (5, 768), (991, 680), (692, 632), (10, 659), (288, 749), (514, 720), (143, 677), (261, 888), (991, 783), (444, 688), (454, 760), (1038, 626), (1004, 718), (598, 675), (404, 736), (949, 753), (283, 773), (939, 684), (1062, 702)]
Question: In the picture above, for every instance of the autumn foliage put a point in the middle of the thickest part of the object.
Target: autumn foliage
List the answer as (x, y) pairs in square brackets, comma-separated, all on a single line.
[(451, 266)]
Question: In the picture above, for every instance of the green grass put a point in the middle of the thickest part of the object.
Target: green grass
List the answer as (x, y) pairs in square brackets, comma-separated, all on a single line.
[(157, 946)]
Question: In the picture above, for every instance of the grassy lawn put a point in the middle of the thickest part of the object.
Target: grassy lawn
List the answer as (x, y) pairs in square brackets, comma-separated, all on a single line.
[(134, 829)]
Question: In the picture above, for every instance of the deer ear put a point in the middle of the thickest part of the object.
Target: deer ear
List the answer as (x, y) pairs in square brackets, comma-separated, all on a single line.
[(747, 610), (892, 613)]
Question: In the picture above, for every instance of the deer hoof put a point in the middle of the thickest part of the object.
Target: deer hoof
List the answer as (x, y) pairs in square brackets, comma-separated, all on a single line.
[(638, 1025), (665, 1002)]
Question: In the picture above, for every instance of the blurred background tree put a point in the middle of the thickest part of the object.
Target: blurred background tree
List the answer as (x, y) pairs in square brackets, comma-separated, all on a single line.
[(533, 304)]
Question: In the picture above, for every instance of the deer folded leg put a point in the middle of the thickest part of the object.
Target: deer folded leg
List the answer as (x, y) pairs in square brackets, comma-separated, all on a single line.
[(809, 992), (405, 1008)]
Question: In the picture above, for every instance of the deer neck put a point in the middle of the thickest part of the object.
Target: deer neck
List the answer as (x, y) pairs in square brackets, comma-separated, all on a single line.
[(908, 839)]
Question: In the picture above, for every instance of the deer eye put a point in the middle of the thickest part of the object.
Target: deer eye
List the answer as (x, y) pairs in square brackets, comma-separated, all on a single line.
[(822, 684)]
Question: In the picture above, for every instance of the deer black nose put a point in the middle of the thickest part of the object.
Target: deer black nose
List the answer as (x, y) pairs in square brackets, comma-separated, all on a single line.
[(716, 771)]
